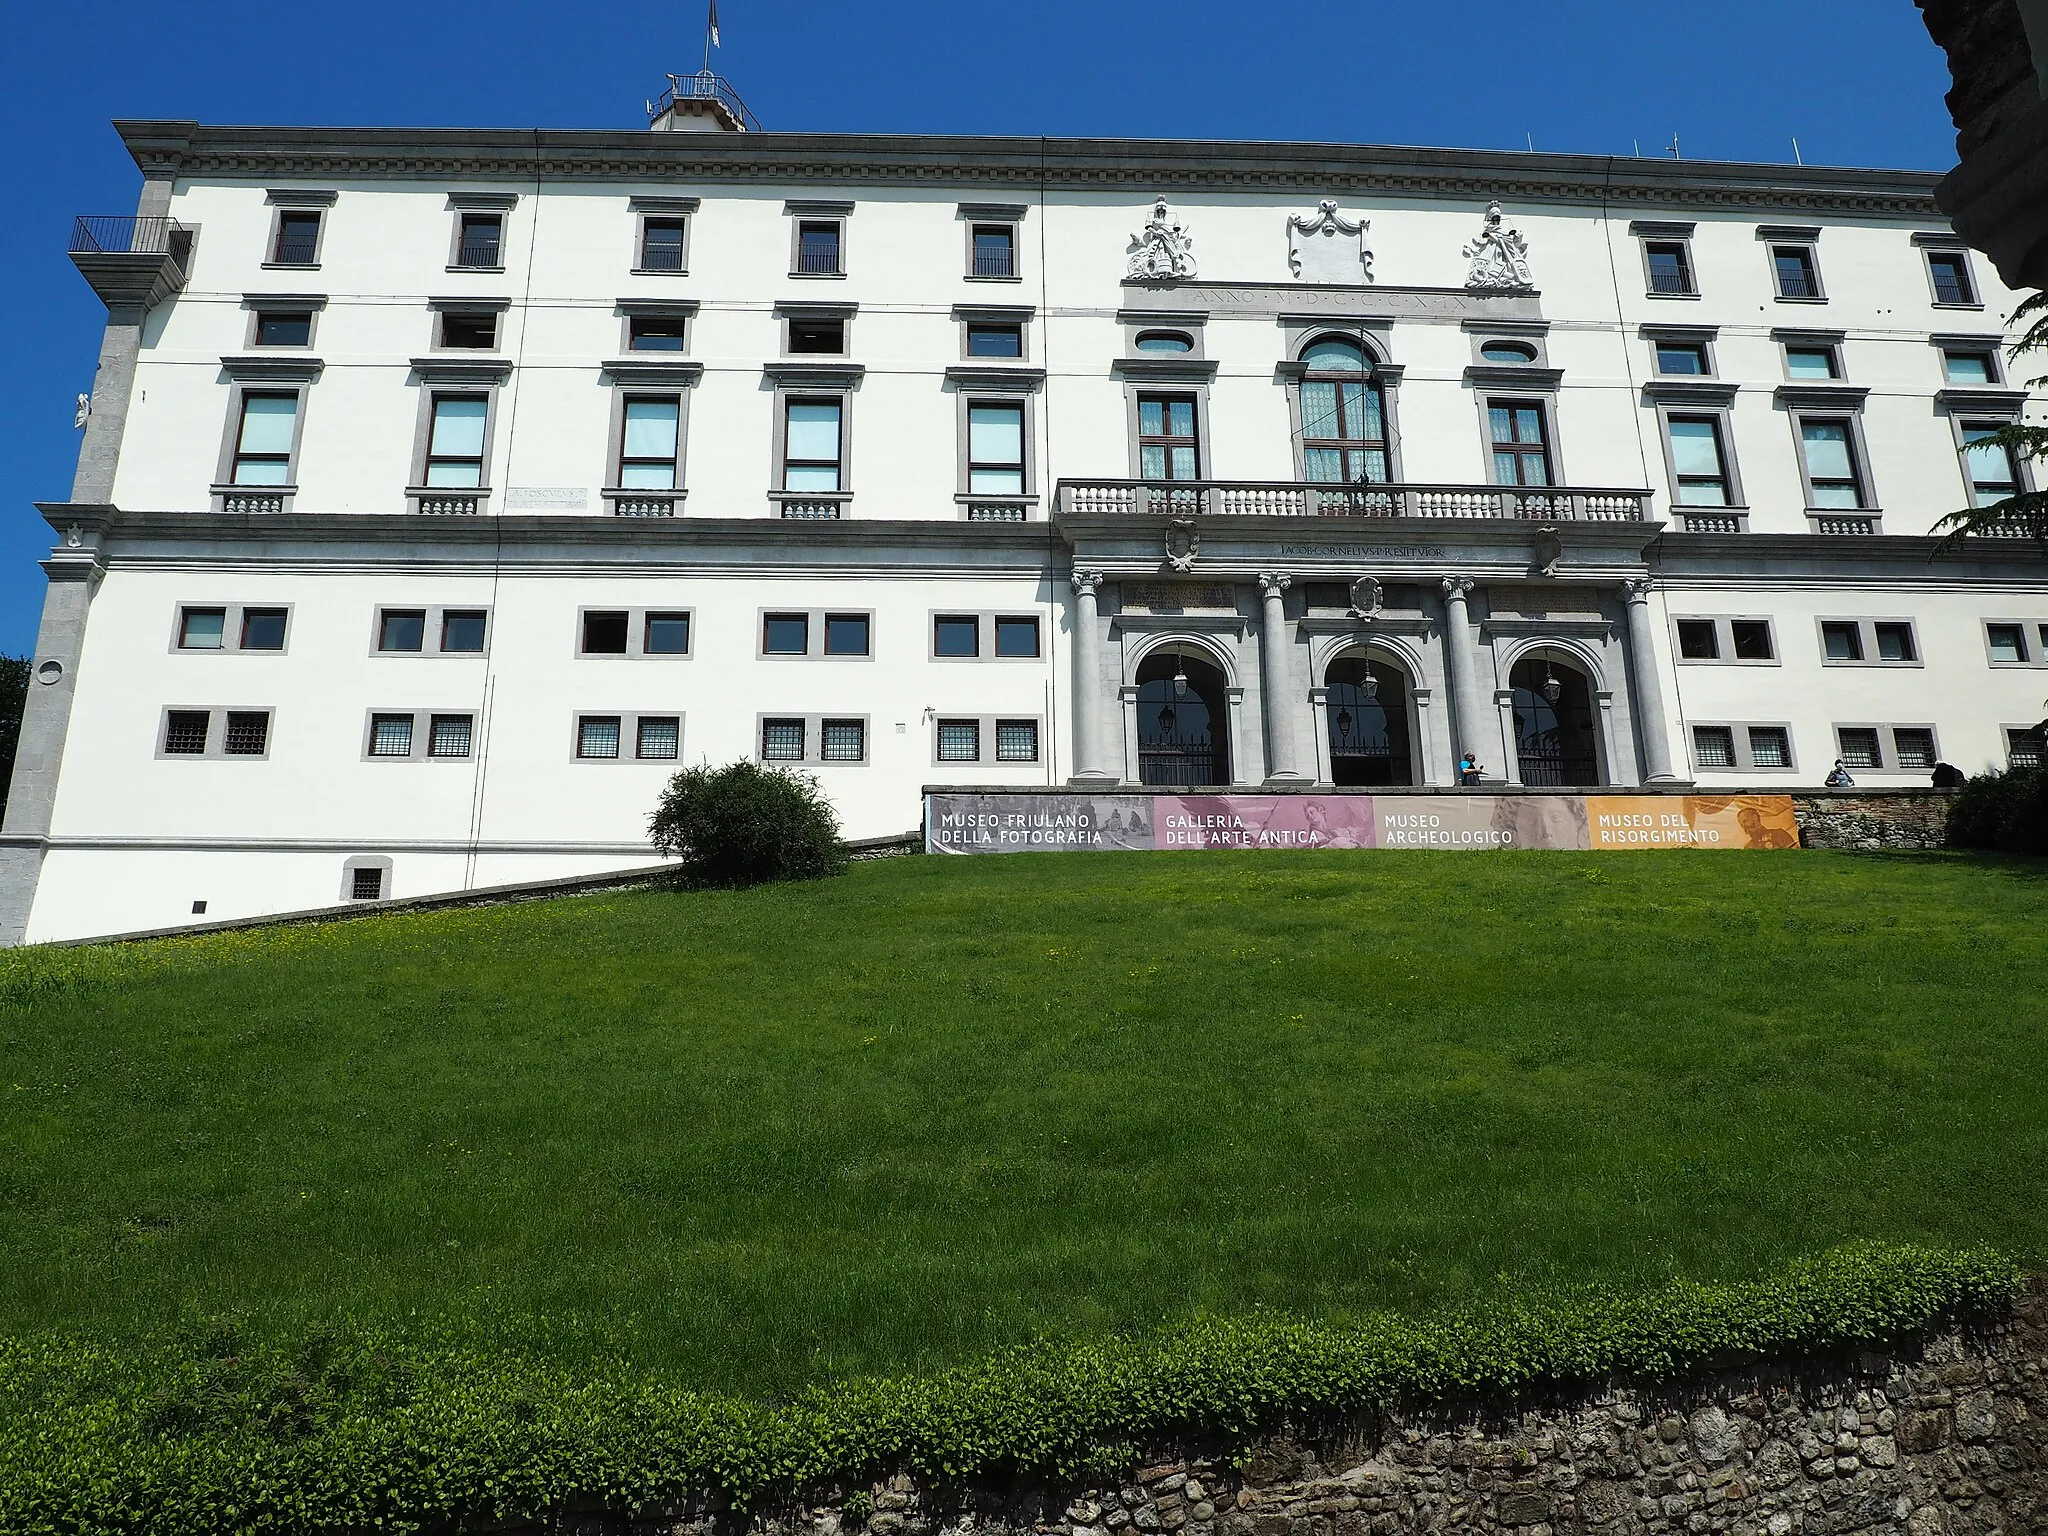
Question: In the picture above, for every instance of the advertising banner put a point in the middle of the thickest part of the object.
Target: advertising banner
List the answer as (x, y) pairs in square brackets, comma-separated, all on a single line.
[(998, 823)]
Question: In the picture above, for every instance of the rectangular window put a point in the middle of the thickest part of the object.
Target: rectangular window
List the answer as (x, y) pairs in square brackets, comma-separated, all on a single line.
[(1521, 450), (1951, 273), (1697, 461), (846, 634), (658, 738), (455, 441), (1017, 635), (995, 448), (1895, 642), (2008, 642), (284, 328), (811, 443), (1670, 265), (1842, 641), (366, 885), (263, 441), (450, 735), (956, 635), (1858, 747), (2024, 748), (597, 736), (668, 634), (786, 634), (655, 333), (1168, 448), (819, 338), (1798, 276), (1830, 463), (471, 331), (1770, 746), (604, 633), (1810, 363), (263, 629), (298, 239), (647, 445), (1752, 639), (185, 733), (1713, 746), (462, 631), (959, 741), (479, 240), (1016, 741), (995, 341), (1699, 640), (782, 741), (843, 741), (1913, 746), (661, 245), (1993, 467), (995, 250), (402, 629), (391, 735), (1682, 358), (1968, 367), (202, 629), (817, 246)]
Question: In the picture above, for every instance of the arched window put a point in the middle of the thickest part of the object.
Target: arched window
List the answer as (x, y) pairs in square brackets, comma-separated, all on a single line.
[(1165, 341), (1343, 415), (1508, 352)]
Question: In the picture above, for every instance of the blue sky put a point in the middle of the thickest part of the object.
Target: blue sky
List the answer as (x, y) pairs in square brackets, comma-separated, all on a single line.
[(1857, 81)]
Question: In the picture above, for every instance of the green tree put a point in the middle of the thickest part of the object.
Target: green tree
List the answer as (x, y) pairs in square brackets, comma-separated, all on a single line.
[(13, 695), (2024, 514), (744, 824)]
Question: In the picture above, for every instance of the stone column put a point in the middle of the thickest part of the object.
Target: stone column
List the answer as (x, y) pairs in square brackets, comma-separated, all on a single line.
[(1277, 705), (1647, 690), (1088, 764), (1466, 711)]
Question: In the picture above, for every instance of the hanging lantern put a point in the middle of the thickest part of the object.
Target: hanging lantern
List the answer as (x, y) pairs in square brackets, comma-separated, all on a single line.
[(1371, 685), (1552, 688), (1180, 678), (1343, 722), (1166, 718)]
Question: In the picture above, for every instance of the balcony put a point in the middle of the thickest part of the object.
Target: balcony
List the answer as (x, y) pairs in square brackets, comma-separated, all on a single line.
[(131, 261), (1302, 498)]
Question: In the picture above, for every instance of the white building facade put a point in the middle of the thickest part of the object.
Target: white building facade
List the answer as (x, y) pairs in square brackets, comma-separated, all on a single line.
[(443, 491)]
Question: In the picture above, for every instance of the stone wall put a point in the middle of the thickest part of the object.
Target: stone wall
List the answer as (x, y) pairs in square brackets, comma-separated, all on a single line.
[(1871, 819), (1949, 1438)]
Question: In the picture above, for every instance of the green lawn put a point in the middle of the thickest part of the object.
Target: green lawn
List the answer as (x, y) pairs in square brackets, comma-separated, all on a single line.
[(893, 1119)]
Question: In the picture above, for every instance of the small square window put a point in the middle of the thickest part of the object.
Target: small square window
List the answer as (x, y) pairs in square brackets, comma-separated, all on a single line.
[(1670, 266), (450, 735), (956, 635), (1770, 746), (959, 741), (1017, 635), (1713, 746), (1842, 642), (1016, 741), (1752, 639), (817, 337), (284, 328), (1914, 746), (659, 738), (1698, 640), (2008, 641), (597, 736), (185, 733), (366, 885), (655, 333), (1951, 273), (1680, 358), (668, 634), (402, 629), (843, 741), (2024, 748), (995, 341), (462, 631), (263, 629), (846, 634), (391, 735), (782, 741), (1810, 363), (661, 245), (995, 250), (1895, 642), (1972, 367), (604, 634), (478, 332), (786, 634), (817, 246), (1859, 747), (479, 240), (202, 629), (298, 240)]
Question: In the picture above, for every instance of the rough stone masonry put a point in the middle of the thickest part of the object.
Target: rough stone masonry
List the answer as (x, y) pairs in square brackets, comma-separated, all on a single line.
[(1948, 1438)]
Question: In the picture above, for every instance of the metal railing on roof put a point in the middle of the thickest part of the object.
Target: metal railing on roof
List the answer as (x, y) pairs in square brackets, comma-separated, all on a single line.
[(705, 86)]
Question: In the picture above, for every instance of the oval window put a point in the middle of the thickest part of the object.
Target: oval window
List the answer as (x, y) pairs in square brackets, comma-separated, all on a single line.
[(1508, 352), (1335, 355), (1165, 341)]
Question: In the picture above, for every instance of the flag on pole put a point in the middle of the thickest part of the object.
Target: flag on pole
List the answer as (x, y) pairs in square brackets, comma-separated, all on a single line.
[(714, 23)]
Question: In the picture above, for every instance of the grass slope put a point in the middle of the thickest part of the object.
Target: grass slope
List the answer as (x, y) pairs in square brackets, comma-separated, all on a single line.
[(890, 1121)]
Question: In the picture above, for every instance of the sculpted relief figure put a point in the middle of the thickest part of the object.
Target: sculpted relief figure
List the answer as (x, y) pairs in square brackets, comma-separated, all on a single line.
[(1499, 257), (1326, 247), (1164, 251)]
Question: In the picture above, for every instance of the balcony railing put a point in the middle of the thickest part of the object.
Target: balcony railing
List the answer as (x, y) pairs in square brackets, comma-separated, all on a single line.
[(125, 234), (131, 259), (1300, 498), (995, 263), (704, 87)]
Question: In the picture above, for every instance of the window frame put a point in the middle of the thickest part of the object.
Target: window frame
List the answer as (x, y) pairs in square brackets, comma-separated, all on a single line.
[(1886, 732), (1715, 401), (233, 625), (802, 211), (1931, 245), (1846, 407), (813, 723), (434, 628), (1989, 347), (1742, 747), (624, 398), (988, 725), (366, 863), (630, 729), (1701, 339), (2011, 734), (1546, 446), (972, 317), (1802, 240), (784, 399), (257, 305), (659, 210), (443, 309), (815, 618), (937, 616), (2033, 644), (1724, 640), (1008, 216), (300, 203), (1866, 640), (466, 206), (1830, 342), (456, 384), (225, 487), (216, 732), (1658, 232), (636, 632), (1019, 400)]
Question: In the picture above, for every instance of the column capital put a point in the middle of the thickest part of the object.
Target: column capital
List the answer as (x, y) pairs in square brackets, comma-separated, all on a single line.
[(1273, 583), (1085, 582), (1456, 587), (1637, 589)]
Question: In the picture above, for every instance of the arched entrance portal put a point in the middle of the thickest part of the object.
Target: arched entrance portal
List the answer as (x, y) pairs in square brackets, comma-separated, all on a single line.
[(1183, 728), (1554, 739), (1367, 710)]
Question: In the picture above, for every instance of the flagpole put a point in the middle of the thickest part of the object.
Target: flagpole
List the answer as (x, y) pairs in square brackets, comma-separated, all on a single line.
[(710, 33)]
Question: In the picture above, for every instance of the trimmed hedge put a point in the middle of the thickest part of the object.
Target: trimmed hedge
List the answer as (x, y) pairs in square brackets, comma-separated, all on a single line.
[(2005, 812), (369, 1431)]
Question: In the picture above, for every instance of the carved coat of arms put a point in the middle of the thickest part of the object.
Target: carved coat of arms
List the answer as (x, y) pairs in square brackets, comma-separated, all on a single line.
[(1163, 252), (1183, 544), (1368, 597), (1326, 247), (1499, 257)]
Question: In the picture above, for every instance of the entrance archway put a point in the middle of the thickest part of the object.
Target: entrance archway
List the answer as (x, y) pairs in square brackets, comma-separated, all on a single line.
[(1366, 707), (1183, 727), (1555, 742)]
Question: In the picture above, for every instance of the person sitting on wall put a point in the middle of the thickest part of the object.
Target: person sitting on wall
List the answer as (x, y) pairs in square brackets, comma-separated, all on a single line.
[(1947, 776), (1839, 777), (1469, 770)]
